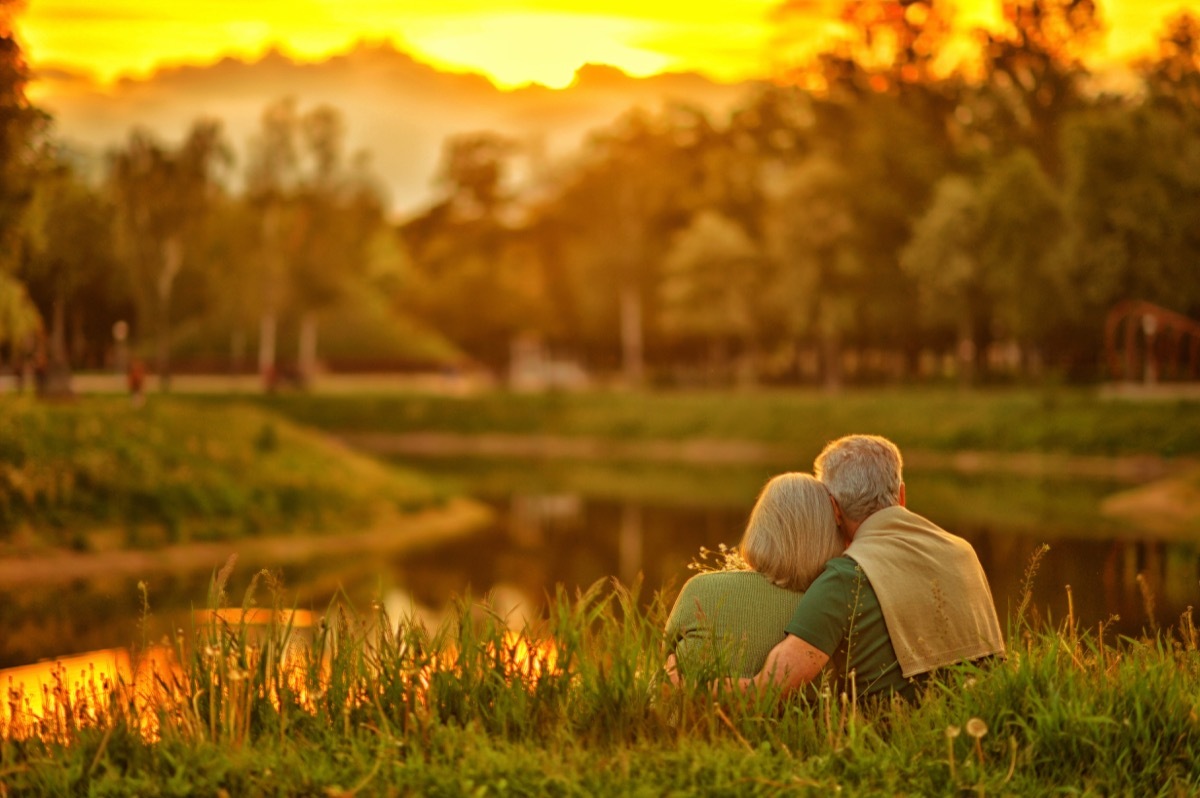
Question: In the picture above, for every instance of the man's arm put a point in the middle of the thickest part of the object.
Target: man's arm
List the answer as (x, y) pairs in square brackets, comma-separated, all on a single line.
[(793, 663)]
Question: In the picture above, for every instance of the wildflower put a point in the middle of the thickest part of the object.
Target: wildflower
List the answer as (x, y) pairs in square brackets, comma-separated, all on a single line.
[(977, 729), (951, 733)]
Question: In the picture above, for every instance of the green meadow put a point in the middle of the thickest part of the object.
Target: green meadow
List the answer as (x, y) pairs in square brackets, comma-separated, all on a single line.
[(1074, 421)]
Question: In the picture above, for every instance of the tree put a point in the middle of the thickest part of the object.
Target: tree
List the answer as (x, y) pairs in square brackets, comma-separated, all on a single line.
[(815, 287), (21, 129), (68, 236), (1173, 77), (1034, 75), (712, 280), (982, 257), (475, 274), (1131, 186), (161, 196), (271, 178)]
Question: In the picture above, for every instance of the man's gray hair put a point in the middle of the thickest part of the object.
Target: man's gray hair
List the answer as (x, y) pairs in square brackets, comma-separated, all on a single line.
[(792, 531), (863, 472)]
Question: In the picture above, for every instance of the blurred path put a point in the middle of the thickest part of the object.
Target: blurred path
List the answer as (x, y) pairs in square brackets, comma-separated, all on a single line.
[(109, 383)]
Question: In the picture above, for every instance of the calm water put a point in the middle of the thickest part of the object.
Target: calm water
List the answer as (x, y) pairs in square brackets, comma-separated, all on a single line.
[(575, 524)]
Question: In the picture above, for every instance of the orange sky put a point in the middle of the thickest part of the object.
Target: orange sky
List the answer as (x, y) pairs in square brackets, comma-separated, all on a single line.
[(511, 41)]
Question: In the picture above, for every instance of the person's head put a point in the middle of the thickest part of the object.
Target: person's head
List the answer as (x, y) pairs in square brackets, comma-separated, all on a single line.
[(791, 533), (863, 473)]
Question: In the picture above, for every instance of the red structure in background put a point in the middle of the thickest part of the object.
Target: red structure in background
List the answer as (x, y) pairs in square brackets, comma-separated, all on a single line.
[(1146, 342)]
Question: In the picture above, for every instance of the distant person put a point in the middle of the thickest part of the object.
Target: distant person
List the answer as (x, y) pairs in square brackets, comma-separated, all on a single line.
[(41, 372), (137, 382), (724, 623), (906, 598)]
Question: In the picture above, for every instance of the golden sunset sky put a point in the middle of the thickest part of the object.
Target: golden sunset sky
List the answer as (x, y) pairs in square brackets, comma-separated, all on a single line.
[(511, 41)]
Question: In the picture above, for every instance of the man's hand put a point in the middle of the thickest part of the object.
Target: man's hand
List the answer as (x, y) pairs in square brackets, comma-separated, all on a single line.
[(793, 663)]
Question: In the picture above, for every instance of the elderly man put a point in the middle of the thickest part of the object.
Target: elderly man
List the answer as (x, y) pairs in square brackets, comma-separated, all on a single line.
[(907, 597)]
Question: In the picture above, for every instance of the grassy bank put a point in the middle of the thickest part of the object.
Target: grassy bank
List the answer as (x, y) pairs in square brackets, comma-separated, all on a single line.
[(99, 473), (577, 707), (1067, 421)]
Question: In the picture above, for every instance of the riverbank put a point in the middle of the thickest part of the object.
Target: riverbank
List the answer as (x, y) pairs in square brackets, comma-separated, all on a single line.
[(1069, 421), (99, 474), (390, 533)]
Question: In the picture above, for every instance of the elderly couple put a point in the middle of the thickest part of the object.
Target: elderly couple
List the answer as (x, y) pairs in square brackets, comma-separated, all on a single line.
[(844, 579)]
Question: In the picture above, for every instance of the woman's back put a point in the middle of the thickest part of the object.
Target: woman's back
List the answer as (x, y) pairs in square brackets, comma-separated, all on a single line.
[(724, 623)]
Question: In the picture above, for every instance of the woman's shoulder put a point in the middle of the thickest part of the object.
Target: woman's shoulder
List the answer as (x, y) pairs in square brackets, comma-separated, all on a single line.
[(722, 581)]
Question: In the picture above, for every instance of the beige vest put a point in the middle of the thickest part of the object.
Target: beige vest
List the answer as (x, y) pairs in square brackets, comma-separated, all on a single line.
[(934, 595)]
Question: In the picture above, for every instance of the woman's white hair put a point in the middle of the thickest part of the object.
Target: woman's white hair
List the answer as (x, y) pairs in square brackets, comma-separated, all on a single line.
[(863, 472), (792, 532)]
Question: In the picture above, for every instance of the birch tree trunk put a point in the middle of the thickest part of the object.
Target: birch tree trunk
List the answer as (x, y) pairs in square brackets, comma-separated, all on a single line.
[(307, 359), (631, 336), (172, 262)]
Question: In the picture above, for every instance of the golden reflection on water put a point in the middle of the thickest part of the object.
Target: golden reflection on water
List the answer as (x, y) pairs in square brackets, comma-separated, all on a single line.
[(54, 699)]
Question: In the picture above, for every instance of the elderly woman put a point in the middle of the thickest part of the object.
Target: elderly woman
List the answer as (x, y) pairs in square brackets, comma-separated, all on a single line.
[(724, 623)]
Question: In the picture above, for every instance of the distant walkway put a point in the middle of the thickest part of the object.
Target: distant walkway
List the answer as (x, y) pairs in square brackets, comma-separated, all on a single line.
[(224, 384)]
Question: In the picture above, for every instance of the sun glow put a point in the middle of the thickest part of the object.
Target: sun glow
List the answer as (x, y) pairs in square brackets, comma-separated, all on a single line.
[(515, 49), (513, 42)]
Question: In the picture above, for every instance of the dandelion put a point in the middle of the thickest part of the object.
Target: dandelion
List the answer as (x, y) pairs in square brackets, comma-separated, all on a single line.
[(951, 733), (977, 729)]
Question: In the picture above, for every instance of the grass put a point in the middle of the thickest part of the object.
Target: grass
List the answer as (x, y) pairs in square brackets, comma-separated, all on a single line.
[(175, 470), (1067, 421), (576, 706)]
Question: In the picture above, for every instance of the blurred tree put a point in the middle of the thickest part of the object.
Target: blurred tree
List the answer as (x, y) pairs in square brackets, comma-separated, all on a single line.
[(638, 182), (816, 286), (982, 257), (69, 245), (1173, 77), (1034, 75), (22, 128), (474, 279), (711, 285), (161, 197), (336, 211), (272, 174), (1132, 182)]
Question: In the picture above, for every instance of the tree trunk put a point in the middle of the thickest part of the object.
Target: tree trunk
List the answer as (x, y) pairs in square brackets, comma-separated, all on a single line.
[(266, 348), (58, 375), (307, 360), (965, 356), (172, 263), (631, 336), (237, 351), (629, 544), (831, 347)]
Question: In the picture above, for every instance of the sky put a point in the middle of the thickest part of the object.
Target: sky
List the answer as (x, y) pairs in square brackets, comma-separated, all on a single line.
[(513, 42)]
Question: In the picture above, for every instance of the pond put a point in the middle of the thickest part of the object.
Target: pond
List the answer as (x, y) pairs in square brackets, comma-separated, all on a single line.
[(573, 523)]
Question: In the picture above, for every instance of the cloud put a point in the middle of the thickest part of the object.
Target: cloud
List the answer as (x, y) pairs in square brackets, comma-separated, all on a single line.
[(396, 107)]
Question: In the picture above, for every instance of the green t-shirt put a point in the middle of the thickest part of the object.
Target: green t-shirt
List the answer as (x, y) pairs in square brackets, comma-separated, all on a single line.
[(840, 615), (725, 623)]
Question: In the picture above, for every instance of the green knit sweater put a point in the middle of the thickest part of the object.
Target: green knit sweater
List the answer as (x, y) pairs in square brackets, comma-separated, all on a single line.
[(725, 623)]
